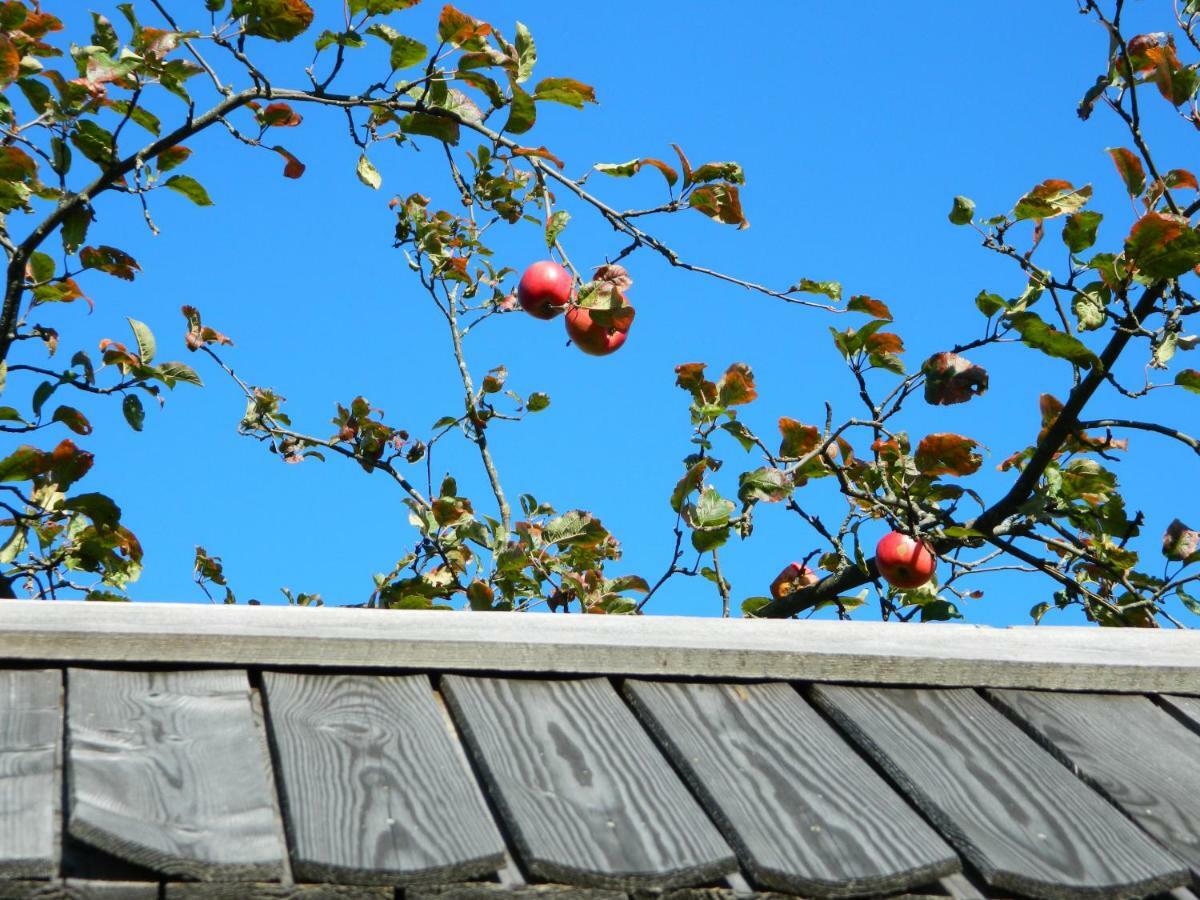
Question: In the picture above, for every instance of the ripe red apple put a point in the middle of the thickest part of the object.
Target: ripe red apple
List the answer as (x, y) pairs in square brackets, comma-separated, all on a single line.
[(545, 289), (591, 337), (791, 579), (903, 561)]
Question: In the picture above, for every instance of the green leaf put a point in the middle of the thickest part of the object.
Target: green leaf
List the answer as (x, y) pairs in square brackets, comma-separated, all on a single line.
[(711, 509), (1037, 334), (526, 53), (368, 174), (440, 127), (190, 188), (1051, 198), (565, 90), (172, 372), (831, 289), (989, 304), (752, 605), (765, 484), (1190, 603), (145, 340), (718, 171), (134, 413), (705, 539), (172, 157), (537, 401), (522, 113), (93, 142), (22, 464), (1079, 232), (1090, 306), (1189, 379), (628, 169), (962, 211), (41, 266), (407, 52), (97, 507), (554, 227)]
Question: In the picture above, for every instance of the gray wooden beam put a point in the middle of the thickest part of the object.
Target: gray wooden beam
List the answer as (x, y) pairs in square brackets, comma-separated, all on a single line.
[(375, 790), (1022, 820), (584, 793), (1126, 660), (169, 770), (805, 813), (77, 889), (31, 717), (175, 890)]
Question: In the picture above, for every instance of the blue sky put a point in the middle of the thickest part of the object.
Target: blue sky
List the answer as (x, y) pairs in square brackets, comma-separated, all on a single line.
[(855, 129)]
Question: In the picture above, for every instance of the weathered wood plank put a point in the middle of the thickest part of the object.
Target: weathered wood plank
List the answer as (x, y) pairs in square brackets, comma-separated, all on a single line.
[(76, 889), (484, 891), (586, 796), (215, 890), (803, 811), (374, 788), (168, 770), (31, 716), (1123, 660), (1019, 817), (1136, 754), (1186, 709)]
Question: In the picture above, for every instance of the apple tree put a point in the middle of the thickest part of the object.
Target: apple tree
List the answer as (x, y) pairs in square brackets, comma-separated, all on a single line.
[(113, 111)]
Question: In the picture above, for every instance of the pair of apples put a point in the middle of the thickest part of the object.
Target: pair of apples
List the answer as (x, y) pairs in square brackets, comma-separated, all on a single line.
[(545, 290), (905, 562)]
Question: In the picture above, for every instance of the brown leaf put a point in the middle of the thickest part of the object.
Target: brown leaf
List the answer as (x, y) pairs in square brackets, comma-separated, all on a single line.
[(736, 386), (690, 377), (950, 379), (280, 115), (294, 168), (947, 454), (869, 305), (615, 275), (798, 439), (1179, 542), (1130, 169)]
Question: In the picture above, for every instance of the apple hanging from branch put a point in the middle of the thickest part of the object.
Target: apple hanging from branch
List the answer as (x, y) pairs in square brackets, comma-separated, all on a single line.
[(545, 289), (903, 561)]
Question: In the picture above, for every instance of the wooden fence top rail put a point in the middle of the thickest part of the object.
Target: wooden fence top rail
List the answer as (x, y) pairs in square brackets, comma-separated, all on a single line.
[(1065, 658)]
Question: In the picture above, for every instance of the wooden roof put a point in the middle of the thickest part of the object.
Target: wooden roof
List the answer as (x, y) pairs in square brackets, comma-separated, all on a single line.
[(181, 751)]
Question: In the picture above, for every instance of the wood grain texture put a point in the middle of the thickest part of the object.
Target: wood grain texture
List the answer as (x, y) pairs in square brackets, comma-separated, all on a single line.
[(31, 717), (803, 811), (483, 891), (586, 796), (169, 771), (1136, 754), (1185, 709), (217, 891), (76, 889), (374, 788), (1123, 660), (1019, 817)]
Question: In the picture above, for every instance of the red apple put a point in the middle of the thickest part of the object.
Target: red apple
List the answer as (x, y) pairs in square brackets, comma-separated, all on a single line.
[(791, 579), (545, 289), (904, 561), (591, 337)]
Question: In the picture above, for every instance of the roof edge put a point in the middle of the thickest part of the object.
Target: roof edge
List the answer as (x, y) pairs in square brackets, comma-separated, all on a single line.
[(1049, 657)]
